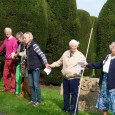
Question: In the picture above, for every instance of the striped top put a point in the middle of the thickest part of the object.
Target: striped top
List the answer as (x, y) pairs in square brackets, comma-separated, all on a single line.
[(40, 53)]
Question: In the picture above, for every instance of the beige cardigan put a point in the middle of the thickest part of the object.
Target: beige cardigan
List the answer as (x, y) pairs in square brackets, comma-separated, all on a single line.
[(69, 69)]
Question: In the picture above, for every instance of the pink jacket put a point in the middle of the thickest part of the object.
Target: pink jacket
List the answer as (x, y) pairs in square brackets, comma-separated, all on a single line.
[(10, 45)]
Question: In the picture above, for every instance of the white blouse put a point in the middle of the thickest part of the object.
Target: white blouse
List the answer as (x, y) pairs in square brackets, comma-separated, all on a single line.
[(107, 63)]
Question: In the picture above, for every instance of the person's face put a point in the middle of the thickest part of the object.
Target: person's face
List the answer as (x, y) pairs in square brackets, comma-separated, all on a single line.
[(113, 51), (26, 39), (8, 33), (73, 47), (19, 39)]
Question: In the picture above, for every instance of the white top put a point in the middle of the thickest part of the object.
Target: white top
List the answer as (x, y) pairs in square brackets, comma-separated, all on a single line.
[(107, 63)]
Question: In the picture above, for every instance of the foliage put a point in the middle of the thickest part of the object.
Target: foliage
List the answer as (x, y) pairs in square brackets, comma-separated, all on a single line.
[(62, 27), (25, 15), (105, 29), (86, 23)]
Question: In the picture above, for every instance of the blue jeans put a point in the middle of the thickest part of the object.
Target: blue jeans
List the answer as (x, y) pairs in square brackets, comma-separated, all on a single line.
[(70, 88), (33, 76)]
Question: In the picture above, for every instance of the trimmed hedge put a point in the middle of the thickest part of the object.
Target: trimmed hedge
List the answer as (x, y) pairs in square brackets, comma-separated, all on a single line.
[(86, 23), (25, 15), (62, 27), (53, 24), (105, 29)]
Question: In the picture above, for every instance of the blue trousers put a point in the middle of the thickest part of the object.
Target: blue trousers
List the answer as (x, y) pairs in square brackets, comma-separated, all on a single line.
[(35, 90), (70, 88)]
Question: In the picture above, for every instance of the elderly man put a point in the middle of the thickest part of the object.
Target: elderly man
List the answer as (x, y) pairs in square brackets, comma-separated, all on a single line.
[(71, 75), (10, 45)]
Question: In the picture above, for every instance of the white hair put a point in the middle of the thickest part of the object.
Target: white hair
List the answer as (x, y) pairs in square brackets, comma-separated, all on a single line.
[(75, 42), (112, 45), (8, 29), (30, 35)]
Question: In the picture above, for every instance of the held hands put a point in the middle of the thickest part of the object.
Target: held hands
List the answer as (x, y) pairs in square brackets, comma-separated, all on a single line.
[(48, 66), (84, 65), (16, 55)]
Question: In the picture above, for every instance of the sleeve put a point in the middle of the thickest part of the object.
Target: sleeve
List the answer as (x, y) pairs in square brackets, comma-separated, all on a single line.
[(40, 53), (15, 46), (2, 47), (96, 65), (83, 58), (57, 63)]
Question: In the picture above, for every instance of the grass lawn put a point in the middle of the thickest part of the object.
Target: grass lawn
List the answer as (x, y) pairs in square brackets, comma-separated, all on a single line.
[(51, 104)]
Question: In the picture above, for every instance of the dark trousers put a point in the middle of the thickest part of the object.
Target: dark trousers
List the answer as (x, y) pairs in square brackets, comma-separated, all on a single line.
[(70, 88)]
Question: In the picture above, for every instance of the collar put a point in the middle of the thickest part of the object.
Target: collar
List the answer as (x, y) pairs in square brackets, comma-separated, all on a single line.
[(112, 57), (10, 37), (70, 52)]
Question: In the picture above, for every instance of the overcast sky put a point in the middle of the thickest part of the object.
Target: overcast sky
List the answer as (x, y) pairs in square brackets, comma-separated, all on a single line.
[(92, 6)]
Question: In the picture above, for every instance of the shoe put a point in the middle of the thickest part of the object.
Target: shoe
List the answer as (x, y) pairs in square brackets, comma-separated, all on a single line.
[(31, 103), (36, 104), (65, 110), (3, 90)]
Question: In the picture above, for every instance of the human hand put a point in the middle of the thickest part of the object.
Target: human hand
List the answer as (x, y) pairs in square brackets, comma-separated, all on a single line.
[(84, 65), (15, 55), (47, 66), (12, 56)]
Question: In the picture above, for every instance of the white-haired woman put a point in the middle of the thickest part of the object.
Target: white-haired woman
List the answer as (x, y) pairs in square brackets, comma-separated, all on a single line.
[(71, 75), (106, 97), (34, 64)]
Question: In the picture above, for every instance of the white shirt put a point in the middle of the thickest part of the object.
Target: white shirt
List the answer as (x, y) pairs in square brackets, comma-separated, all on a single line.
[(107, 63)]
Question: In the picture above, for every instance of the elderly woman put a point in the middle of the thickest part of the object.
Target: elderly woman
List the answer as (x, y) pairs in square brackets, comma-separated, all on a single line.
[(71, 75), (34, 64), (106, 97)]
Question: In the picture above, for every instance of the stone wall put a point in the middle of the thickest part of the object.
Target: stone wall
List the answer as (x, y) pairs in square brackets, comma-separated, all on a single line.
[(88, 94)]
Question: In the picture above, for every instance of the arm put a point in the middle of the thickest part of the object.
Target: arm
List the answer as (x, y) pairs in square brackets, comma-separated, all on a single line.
[(15, 46), (2, 47), (40, 53), (57, 63), (96, 65)]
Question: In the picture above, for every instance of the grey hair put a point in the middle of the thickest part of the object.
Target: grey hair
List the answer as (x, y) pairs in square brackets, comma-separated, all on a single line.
[(19, 35), (30, 35), (73, 41), (112, 45), (7, 29)]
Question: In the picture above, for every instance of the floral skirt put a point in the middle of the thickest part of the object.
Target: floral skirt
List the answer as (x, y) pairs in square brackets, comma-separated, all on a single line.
[(106, 98)]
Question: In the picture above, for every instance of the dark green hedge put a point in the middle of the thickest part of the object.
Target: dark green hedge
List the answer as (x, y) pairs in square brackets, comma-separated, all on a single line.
[(105, 29), (25, 15), (52, 22), (62, 27), (86, 23)]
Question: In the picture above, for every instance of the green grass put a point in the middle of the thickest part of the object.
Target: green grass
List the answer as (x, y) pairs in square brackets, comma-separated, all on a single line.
[(51, 104)]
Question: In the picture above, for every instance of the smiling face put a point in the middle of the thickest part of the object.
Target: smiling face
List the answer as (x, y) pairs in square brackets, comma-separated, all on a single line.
[(73, 47)]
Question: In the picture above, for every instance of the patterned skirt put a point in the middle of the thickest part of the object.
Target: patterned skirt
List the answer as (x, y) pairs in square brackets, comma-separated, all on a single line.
[(106, 98)]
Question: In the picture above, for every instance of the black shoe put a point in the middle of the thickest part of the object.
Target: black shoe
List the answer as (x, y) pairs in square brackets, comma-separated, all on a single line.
[(65, 110)]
